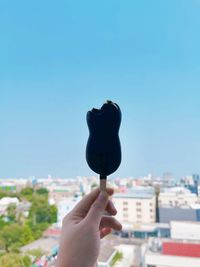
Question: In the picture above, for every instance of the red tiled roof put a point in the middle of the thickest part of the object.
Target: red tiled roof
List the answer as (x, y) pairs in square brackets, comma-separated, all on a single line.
[(52, 232)]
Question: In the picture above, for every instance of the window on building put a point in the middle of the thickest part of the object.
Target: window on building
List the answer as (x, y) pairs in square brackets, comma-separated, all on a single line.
[(138, 210), (151, 204), (139, 216), (125, 209), (125, 215), (176, 203), (151, 210), (125, 203), (138, 203)]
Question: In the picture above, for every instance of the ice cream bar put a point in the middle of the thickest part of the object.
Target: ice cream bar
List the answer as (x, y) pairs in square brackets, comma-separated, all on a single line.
[(103, 151)]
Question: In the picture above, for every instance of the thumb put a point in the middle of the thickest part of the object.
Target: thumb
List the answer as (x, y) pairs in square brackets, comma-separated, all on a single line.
[(97, 209)]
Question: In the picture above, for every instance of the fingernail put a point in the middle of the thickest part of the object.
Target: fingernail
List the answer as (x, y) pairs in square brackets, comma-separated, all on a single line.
[(103, 196)]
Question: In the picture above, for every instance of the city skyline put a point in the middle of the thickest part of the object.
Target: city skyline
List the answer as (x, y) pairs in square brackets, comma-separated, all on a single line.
[(59, 62)]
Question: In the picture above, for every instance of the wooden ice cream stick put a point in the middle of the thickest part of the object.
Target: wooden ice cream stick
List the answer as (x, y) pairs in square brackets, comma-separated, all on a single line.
[(103, 183)]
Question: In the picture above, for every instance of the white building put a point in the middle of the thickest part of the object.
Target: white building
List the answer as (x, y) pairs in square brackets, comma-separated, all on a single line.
[(177, 197), (183, 250), (136, 206), (160, 260), (5, 202), (185, 230), (64, 207)]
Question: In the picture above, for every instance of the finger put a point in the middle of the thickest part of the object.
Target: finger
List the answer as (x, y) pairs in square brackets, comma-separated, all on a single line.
[(111, 222), (84, 205), (97, 209), (111, 208), (104, 232)]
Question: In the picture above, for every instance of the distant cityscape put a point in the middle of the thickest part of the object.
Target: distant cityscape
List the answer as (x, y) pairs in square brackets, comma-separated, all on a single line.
[(160, 218)]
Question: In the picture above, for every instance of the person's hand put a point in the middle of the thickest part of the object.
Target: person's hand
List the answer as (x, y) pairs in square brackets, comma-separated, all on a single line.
[(83, 228)]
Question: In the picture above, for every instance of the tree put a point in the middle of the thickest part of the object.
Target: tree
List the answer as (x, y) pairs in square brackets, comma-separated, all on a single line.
[(13, 236), (13, 259), (6, 193), (36, 253), (53, 213), (3, 193), (42, 191), (2, 222), (26, 236), (27, 191), (41, 211), (11, 213)]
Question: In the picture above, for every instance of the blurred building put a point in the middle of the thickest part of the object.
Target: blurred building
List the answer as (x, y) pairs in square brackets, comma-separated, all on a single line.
[(58, 193), (177, 197), (173, 253), (178, 204), (168, 179), (185, 230), (8, 186), (106, 255), (145, 230), (5, 202), (64, 207), (13, 185), (136, 206), (184, 213), (182, 250)]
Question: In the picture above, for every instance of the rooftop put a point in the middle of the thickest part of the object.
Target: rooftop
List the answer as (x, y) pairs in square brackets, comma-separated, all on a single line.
[(106, 252), (137, 192), (46, 244), (9, 200), (145, 226)]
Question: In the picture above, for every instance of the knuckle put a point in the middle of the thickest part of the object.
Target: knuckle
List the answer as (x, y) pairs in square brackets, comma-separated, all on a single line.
[(65, 219), (97, 206)]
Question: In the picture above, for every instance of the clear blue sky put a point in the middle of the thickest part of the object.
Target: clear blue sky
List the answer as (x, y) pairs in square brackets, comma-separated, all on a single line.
[(58, 59)]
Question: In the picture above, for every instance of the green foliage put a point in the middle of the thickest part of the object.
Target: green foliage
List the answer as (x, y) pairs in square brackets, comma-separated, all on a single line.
[(6, 193), (26, 236), (15, 260), (19, 230), (42, 191), (41, 215), (30, 194), (26, 261), (53, 212), (37, 253), (37, 228), (2, 222), (3, 193), (15, 247), (13, 236), (118, 256), (41, 211), (11, 213), (10, 235), (27, 193)]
